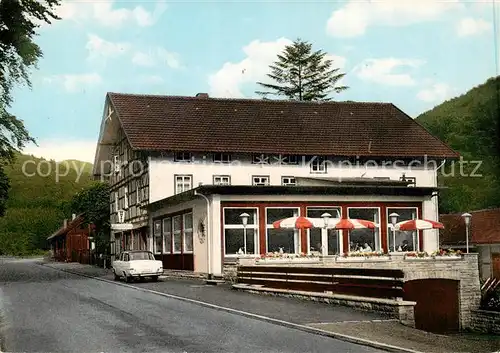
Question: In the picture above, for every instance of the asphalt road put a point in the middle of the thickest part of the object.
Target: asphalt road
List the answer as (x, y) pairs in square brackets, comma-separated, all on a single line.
[(46, 310)]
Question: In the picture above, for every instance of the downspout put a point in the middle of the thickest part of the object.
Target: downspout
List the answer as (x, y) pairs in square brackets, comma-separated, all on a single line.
[(209, 243)]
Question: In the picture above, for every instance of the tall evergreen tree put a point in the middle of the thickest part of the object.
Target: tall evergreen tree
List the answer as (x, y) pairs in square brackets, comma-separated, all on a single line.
[(19, 20), (304, 75)]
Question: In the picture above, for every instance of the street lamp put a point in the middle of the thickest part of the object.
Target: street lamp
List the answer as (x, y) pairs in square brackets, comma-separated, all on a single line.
[(394, 219), (244, 220), (326, 216), (324, 236), (467, 217)]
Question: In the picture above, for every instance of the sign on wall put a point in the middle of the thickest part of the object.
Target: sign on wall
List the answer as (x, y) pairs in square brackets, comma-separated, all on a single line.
[(121, 216)]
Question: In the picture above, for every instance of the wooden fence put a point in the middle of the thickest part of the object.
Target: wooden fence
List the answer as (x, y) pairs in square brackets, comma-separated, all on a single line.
[(377, 283)]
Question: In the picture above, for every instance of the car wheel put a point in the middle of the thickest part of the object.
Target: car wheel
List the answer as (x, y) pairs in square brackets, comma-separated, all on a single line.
[(117, 278), (154, 278)]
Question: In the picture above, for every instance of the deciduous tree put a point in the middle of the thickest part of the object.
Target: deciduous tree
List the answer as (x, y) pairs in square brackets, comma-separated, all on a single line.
[(19, 20), (303, 74), (93, 203)]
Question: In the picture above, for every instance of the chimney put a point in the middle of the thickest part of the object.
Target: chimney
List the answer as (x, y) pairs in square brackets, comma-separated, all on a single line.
[(73, 216), (65, 223), (202, 95)]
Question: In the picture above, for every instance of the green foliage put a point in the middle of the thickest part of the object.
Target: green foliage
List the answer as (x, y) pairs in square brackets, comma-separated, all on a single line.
[(4, 190), (37, 204), (470, 125), (18, 52), (93, 203), (304, 75)]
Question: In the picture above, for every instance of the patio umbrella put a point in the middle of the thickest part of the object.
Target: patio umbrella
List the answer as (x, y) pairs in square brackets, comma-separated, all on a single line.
[(298, 223), (350, 223), (418, 224)]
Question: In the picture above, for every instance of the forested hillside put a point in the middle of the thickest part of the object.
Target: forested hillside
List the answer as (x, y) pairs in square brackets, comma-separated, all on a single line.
[(470, 125), (38, 200)]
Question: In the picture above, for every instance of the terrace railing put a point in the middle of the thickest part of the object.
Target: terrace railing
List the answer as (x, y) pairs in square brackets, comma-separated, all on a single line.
[(376, 283)]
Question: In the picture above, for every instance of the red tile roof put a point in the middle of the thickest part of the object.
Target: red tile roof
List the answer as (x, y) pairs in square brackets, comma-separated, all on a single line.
[(172, 123), (72, 224), (485, 228)]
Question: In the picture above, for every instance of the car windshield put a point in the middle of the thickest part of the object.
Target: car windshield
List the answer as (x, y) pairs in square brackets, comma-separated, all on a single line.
[(141, 255)]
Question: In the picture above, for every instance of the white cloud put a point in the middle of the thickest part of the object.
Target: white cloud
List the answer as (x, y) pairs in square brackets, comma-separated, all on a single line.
[(437, 92), (157, 56), (100, 49), (471, 26), (382, 71), (75, 82), (62, 149), (104, 13), (227, 82), (356, 16)]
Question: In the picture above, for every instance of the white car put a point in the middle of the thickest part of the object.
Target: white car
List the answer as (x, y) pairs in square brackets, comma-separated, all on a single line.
[(137, 264)]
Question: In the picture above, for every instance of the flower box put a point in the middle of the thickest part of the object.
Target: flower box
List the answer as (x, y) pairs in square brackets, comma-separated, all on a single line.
[(288, 260), (363, 258), (430, 258)]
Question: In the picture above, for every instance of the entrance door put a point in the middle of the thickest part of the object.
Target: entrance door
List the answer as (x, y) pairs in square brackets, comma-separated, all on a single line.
[(495, 265), (437, 308)]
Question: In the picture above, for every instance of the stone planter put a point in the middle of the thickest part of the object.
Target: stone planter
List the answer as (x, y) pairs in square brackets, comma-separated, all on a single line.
[(364, 259), (297, 260), (351, 259), (431, 258)]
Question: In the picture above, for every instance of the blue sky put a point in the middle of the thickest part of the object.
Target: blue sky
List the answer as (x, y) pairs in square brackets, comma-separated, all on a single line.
[(415, 54)]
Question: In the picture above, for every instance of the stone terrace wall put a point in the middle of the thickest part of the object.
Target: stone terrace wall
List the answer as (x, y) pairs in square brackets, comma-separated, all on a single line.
[(486, 321), (464, 269)]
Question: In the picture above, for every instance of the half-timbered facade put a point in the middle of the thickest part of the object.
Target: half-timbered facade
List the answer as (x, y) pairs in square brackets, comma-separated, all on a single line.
[(160, 153)]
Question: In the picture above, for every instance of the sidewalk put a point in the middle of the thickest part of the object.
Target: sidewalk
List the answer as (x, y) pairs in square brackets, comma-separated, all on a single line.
[(336, 319)]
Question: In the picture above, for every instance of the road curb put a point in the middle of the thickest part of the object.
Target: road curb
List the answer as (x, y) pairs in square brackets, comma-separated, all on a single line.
[(342, 337)]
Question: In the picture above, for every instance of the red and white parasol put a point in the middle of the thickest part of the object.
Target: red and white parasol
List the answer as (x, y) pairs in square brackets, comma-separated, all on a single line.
[(418, 224), (350, 223), (298, 223)]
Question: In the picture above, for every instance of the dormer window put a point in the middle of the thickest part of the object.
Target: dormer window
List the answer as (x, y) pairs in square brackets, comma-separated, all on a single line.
[(222, 157), (182, 157)]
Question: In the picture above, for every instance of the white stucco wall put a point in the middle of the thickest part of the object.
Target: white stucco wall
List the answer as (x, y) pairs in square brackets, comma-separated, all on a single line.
[(162, 171)]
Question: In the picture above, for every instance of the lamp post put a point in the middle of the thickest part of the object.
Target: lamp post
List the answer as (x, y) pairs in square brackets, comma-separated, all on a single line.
[(326, 217), (467, 217), (394, 219), (244, 220)]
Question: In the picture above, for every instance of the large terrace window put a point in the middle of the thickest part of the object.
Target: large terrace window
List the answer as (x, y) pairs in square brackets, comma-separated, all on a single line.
[(286, 239), (235, 232), (360, 238), (328, 239), (405, 240), (158, 241)]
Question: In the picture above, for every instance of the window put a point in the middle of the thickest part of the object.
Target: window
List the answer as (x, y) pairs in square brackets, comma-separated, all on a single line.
[(359, 237), (236, 235), (318, 164), (285, 239), (158, 242), (177, 231), (167, 235), (183, 183), (182, 157), (138, 191), (405, 240), (222, 157), (222, 180), (188, 232), (116, 201), (116, 163), (260, 180), (125, 191), (287, 181), (141, 255), (260, 159), (317, 236)]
